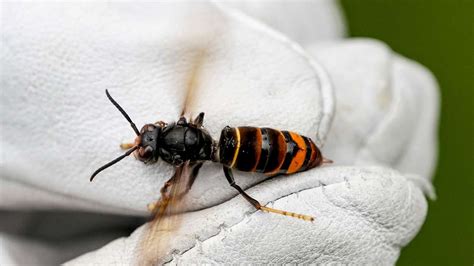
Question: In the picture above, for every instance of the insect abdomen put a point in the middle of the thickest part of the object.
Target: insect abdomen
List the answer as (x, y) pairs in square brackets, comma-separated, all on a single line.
[(267, 150)]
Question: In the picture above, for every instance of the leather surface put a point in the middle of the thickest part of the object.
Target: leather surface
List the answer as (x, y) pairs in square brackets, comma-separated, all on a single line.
[(373, 112)]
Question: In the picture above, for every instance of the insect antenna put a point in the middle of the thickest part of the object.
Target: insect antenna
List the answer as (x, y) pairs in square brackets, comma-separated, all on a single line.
[(116, 160), (123, 113)]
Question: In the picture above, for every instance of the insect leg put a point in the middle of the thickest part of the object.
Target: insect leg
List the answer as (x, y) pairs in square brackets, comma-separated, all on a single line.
[(160, 123), (256, 204), (192, 170), (195, 167), (126, 146), (230, 179), (154, 207)]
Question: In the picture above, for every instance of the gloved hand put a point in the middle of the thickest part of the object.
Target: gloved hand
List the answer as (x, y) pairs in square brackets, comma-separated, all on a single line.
[(60, 127)]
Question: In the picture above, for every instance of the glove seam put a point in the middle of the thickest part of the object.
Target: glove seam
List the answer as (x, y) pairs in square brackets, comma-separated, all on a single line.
[(327, 94)]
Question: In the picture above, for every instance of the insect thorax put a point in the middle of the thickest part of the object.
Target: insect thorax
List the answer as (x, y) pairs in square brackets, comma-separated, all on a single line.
[(179, 143)]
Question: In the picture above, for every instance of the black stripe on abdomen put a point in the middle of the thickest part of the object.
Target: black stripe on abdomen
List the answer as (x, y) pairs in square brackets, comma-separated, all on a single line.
[(291, 150), (309, 151), (250, 148), (264, 155), (277, 150)]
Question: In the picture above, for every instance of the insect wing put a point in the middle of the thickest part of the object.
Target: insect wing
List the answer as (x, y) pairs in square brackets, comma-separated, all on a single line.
[(193, 81), (156, 238)]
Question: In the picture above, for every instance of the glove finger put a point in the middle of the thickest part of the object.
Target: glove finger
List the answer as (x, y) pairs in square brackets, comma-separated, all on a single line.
[(386, 107)]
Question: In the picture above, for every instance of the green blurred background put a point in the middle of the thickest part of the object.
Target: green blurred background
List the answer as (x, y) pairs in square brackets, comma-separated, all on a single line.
[(440, 35)]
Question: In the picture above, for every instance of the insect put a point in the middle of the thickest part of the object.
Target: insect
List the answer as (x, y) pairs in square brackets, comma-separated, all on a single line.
[(187, 145)]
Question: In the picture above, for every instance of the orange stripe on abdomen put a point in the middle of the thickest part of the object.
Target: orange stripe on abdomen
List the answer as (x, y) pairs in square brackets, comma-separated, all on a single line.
[(298, 159)]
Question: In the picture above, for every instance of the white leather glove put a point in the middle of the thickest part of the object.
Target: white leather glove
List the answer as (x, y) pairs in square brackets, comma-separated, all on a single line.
[(58, 127)]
